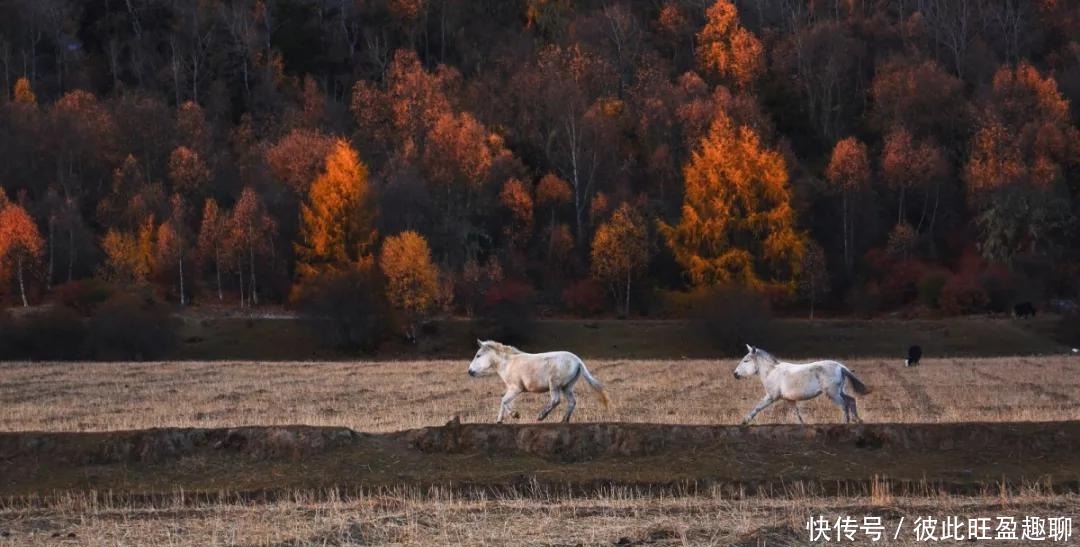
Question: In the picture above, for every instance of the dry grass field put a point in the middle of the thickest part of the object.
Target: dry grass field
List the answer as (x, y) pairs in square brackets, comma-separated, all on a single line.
[(410, 518), (390, 396)]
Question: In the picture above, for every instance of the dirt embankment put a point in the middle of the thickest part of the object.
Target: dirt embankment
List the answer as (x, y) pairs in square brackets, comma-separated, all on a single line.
[(956, 457)]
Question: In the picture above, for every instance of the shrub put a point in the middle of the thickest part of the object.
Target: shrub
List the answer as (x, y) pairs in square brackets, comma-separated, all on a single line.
[(474, 281), (584, 298), (348, 310), (57, 333), (864, 301), (900, 282), (132, 326), (962, 295), (508, 312), (83, 296), (1000, 289), (930, 287), (732, 317)]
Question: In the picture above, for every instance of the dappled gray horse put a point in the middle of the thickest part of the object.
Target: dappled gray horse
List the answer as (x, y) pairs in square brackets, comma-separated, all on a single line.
[(799, 382)]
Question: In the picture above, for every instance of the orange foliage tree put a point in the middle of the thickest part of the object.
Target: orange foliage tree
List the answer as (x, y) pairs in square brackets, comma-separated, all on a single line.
[(553, 192), (461, 151), (728, 50), (188, 172), (1019, 154), (21, 245), (737, 223), (172, 244), (212, 240), (907, 165), (412, 279), (515, 198), (399, 115), (24, 94), (920, 95), (129, 256), (620, 251), (192, 129), (297, 157), (849, 173), (251, 230), (337, 220)]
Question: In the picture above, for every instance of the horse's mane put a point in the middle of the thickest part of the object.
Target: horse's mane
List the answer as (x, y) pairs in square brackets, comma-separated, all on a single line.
[(766, 355), (502, 349)]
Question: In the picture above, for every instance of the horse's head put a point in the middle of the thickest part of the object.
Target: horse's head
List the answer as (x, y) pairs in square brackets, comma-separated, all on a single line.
[(483, 362), (749, 364)]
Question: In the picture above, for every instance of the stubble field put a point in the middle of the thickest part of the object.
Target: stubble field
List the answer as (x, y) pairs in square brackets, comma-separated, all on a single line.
[(394, 396)]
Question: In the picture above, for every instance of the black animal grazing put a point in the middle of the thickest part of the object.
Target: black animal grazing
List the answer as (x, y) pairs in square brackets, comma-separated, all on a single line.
[(914, 353), (1024, 309)]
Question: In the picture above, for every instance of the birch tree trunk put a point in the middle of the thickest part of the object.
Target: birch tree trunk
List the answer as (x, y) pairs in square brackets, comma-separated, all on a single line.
[(217, 273), (22, 285), (180, 260)]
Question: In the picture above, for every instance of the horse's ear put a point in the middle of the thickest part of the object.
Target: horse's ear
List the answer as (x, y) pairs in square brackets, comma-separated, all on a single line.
[(479, 342), (750, 348)]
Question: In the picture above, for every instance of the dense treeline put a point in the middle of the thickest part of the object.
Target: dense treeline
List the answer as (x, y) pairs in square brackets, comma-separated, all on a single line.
[(581, 156)]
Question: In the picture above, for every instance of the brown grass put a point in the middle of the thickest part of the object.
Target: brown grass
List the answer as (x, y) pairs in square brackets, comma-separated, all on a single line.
[(388, 396), (411, 518)]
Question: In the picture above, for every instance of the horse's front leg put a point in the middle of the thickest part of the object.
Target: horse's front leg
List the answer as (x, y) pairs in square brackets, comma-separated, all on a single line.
[(764, 402), (504, 405), (795, 406)]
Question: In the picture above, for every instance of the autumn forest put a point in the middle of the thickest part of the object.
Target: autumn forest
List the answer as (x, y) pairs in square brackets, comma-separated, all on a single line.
[(563, 158)]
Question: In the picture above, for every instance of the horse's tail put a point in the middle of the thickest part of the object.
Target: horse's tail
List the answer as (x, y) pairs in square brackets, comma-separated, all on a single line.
[(597, 386), (856, 384)]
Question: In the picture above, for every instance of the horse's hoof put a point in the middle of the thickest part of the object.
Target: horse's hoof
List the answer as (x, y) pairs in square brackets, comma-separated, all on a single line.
[(515, 415)]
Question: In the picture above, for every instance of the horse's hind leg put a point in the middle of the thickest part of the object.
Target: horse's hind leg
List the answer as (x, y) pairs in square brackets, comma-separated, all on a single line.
[(555, 396), (570, 403), (840, 399), (852, 407)]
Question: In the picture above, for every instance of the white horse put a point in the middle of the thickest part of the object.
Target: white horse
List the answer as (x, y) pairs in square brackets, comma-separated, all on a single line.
[(553, 372), (799, 382)]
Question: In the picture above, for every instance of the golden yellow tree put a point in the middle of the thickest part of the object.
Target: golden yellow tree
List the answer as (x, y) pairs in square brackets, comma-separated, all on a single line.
[(737, 223), (24, 94), (337, 221), (728, 50), (129, 257), (412, 279), (620, 250)]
